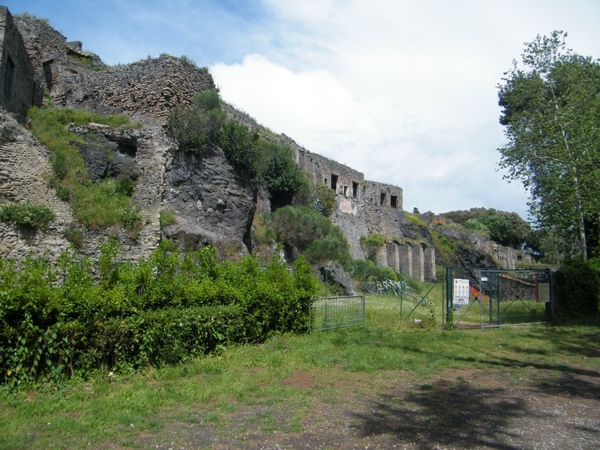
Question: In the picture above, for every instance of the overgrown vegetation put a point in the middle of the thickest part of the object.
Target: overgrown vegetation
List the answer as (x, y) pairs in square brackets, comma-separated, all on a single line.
[(27, 215), (168, 217), (257, 388), (204, 124), (371, 244), (95, 205), (505, 228), (78, 316), (302, 229)]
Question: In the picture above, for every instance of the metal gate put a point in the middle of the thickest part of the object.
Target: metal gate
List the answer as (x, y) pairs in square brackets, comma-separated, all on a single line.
[(486, 298)]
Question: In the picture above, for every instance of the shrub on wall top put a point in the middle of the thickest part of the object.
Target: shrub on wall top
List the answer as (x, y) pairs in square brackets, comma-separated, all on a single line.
[(26, 214)]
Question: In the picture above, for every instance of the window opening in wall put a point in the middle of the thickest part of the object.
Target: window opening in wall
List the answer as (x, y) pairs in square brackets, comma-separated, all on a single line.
[(345, 190), (48, 74), (354, 189), (334, 180), (394, 201), (382, 199), (324, 180), (9, 79)]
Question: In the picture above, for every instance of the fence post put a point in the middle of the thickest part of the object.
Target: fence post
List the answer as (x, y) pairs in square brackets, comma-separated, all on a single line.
[(449, 294)]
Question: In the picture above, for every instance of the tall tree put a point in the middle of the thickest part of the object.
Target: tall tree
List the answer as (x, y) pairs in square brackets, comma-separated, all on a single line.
[(551, 113)]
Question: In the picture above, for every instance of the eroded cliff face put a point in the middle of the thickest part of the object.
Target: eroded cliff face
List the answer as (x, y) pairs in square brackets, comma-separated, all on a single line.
[(214, 206)]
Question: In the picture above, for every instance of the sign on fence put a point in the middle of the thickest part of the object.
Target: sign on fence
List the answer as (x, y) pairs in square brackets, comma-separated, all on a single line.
[(461, 292)]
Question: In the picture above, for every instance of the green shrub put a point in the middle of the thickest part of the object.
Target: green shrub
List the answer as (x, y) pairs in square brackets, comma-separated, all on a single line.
[(168, 217), (302, 229), (26, 214), (76, 316), (578, 287), (74, 235), (240, 147), (280, 175), (195, 127), (366, 270), (371, 244), (476, 225), (327, 198)]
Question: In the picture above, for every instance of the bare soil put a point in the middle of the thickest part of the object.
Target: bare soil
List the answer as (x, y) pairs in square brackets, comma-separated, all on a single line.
[(533, 407)]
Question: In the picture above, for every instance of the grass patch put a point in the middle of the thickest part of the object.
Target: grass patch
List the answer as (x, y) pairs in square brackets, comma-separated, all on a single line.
[(274, 386), (95, 205)]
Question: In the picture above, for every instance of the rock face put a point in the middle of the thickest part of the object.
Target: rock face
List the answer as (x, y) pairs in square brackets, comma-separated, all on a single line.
[(214, 206)]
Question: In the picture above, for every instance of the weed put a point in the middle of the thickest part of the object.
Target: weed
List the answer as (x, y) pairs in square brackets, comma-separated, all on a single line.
[(168, 217)]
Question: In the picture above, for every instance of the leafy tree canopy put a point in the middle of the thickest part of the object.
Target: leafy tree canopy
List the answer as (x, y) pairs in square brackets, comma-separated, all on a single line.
[(551, 114)]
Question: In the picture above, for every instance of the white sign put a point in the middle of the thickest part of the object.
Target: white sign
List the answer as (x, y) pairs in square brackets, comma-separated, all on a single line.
[(461, 292)]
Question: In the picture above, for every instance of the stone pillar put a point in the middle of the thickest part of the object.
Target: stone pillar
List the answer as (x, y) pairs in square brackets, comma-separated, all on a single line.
[(418, 263), (430, 273), (392, 256), (405, 259), (382, 256)]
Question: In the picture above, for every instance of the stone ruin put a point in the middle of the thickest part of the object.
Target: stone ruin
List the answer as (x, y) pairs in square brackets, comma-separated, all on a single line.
[(212, 206)]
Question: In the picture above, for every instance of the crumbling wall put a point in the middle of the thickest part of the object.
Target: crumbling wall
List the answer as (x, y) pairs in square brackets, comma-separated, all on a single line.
[(18, 88), (382, 194), (339, 177), (24, 169), (151, 87)]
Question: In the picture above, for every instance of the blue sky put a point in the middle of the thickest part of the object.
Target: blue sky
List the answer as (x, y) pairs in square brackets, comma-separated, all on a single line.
[(403, 90)]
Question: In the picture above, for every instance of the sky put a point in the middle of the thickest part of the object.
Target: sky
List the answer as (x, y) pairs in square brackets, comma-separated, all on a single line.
[(405, 91)]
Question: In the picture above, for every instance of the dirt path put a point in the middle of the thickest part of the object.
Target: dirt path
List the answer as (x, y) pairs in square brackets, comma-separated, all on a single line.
[(528, 408)]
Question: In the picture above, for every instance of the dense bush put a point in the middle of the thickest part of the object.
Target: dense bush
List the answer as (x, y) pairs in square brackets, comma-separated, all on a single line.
[(26, 214), (79, 316), (198, 125), (280, 174), (326, 197), (505, 228), (302, 229), (578, 288), (240, 146), (366, 270), (371, 244)]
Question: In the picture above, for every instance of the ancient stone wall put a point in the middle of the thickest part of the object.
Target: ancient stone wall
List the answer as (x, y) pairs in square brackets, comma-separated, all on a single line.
[(382, 194), (413, 259), (18, 88), (150, 87), (339, 177), (24, 169)]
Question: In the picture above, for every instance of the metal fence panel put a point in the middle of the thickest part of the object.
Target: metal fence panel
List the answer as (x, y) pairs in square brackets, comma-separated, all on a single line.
[(330, 313)]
